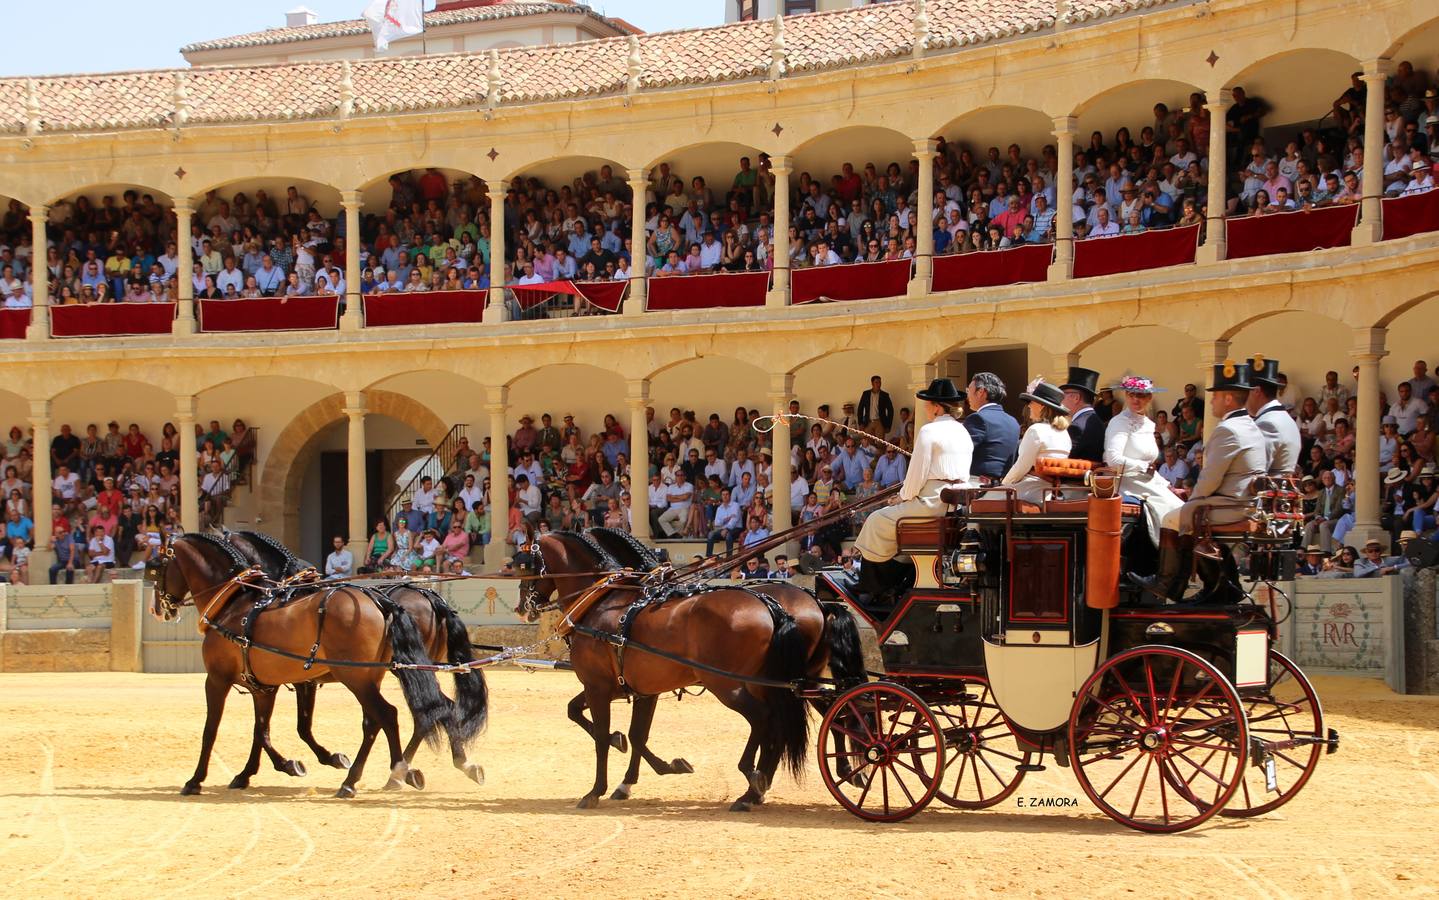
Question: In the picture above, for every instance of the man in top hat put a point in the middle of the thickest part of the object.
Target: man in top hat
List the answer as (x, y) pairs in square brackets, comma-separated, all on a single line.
[(943, 451), (1234, 455), (1281, 432), (1086, 427), (993, 432)]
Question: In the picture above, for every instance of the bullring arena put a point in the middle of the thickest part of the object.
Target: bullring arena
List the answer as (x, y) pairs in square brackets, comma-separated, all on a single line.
[(92, 766)]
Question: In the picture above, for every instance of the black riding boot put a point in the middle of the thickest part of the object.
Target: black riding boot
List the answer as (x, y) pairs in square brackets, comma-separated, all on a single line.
[(1176, 562), (871, 584)]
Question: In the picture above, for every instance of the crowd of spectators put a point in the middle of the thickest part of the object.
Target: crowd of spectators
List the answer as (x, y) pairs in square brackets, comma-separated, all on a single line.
[(434, 234), (114, 496)]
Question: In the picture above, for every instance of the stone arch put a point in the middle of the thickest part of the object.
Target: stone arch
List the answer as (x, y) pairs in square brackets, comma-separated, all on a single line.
[(292, 451)]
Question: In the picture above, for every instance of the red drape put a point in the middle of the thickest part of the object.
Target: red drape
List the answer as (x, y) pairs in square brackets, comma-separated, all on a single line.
[(1414, 214), (1296, 232), (111, 319), (606, 295), (858, 281), (270, 314), (424, 308), (708, 291), (1135, 252), (1017, 265), (13, 323)]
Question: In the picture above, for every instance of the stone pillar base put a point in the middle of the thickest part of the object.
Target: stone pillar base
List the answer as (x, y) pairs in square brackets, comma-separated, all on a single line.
[(1210, 252), (184, 325), (1061, 270), (350, 322), (777, 298), (41, 559), (1366, 233), (1361, 533)]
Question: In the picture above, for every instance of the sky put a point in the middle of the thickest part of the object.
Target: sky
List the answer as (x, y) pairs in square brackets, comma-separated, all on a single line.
[(108, 36)]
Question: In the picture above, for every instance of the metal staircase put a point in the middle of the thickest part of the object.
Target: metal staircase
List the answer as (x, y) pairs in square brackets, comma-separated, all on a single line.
[(435, 467)]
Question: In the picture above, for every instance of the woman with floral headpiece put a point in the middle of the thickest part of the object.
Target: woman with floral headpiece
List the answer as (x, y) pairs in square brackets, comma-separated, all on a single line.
[(1131, 451)]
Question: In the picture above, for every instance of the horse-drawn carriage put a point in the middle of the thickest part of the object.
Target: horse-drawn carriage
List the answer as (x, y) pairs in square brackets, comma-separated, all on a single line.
[(1018, 645)]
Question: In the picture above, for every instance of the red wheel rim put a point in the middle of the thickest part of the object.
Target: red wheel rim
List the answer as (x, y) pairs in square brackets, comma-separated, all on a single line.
[(881, 752), (981, 751), (1158, 739)]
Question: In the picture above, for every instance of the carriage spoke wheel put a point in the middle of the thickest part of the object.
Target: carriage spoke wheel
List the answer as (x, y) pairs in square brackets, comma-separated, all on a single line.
[(1158, 739), (1286, 728), (981, 752), (881, 752)]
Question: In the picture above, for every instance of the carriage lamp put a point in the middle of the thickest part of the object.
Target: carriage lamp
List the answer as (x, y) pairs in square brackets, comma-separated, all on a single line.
[(966, 562)]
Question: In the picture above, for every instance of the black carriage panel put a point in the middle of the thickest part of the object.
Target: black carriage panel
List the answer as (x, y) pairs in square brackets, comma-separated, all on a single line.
[(1234, 639), (934, 633)]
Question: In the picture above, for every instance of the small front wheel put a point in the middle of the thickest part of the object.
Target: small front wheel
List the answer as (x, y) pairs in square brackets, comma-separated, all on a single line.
[(881, 752), (982, 754)]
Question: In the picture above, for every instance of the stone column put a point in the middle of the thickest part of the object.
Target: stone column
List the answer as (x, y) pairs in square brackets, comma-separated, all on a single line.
[(39, 329), (189, 464), (359, 489), (1211, 354), (780, 393), (499, 510), (919, 378), (779, 293), (1214, 237), (637, 398), (1368, 351), (1371, 213), (924, 152), (1059, 374), (40, 496), (497, 312), (639, 287), (185, 262), (1062, 269), (353, 319)]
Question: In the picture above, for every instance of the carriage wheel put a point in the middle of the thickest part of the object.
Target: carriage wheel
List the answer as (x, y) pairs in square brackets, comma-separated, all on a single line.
[(1158, 739), (881, 752), (981, 752), (1286, 723)]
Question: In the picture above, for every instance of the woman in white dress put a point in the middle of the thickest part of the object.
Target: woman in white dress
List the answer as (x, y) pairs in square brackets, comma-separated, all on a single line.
[(1132, 452), (1047, 437)]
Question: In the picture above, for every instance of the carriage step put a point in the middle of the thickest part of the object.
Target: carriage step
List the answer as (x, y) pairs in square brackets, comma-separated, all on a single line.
[(1029, 767)]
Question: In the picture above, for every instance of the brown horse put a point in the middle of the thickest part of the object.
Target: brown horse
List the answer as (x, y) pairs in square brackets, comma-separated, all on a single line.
[(345, 624), (445, 637), (737, 630)]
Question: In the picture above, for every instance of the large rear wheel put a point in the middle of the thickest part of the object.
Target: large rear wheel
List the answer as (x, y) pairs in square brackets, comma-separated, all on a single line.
[(1158, 739), (982, 755), (881, 752)]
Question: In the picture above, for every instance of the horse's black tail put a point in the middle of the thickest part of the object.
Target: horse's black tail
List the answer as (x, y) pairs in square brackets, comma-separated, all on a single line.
[(787, 660), (471, 695), (846, 653), (428, 706)]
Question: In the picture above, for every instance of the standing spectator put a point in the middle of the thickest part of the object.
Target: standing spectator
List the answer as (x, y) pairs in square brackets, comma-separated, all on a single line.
[(875, 411)]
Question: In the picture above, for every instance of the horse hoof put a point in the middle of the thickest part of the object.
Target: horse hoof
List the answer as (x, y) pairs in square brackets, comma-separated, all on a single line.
[(415, 779), (238, 783), (620, 742), (346, 792), (860, 780), (475, 772), (190, 790), (681, 767), (588, 801), (337, 761), (621, 793), (294, 768), (740, 806)]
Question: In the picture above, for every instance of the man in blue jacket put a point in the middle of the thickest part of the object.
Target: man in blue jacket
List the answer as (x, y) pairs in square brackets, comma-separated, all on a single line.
[(995, 432)]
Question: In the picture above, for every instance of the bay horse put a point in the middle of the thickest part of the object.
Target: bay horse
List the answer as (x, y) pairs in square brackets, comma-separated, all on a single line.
[(205, 571), (445, 638), (738, 630)]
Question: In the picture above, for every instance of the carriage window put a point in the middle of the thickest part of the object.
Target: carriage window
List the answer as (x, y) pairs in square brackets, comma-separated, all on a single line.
[(1039, 580)]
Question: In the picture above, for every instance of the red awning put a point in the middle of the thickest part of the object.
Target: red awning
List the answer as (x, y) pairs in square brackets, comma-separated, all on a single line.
[(606, 295), (111, 319), (855, 281), (1414, 214), (13, 323), (731, 289), (270, 314)]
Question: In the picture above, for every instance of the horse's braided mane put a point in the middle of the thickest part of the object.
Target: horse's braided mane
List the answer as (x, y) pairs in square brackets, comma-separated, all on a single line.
[(236, 558), (646, 556), (602, 556), (292, 563)]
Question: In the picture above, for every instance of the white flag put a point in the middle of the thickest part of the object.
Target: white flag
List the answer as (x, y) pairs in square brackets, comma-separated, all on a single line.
[(394, 19)]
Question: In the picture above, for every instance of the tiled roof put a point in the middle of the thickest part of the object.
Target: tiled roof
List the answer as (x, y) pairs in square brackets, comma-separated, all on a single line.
[(356, 27), (316, 90)]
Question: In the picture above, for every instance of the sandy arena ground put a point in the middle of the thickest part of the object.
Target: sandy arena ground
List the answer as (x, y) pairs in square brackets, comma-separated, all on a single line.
[(90, 766)]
